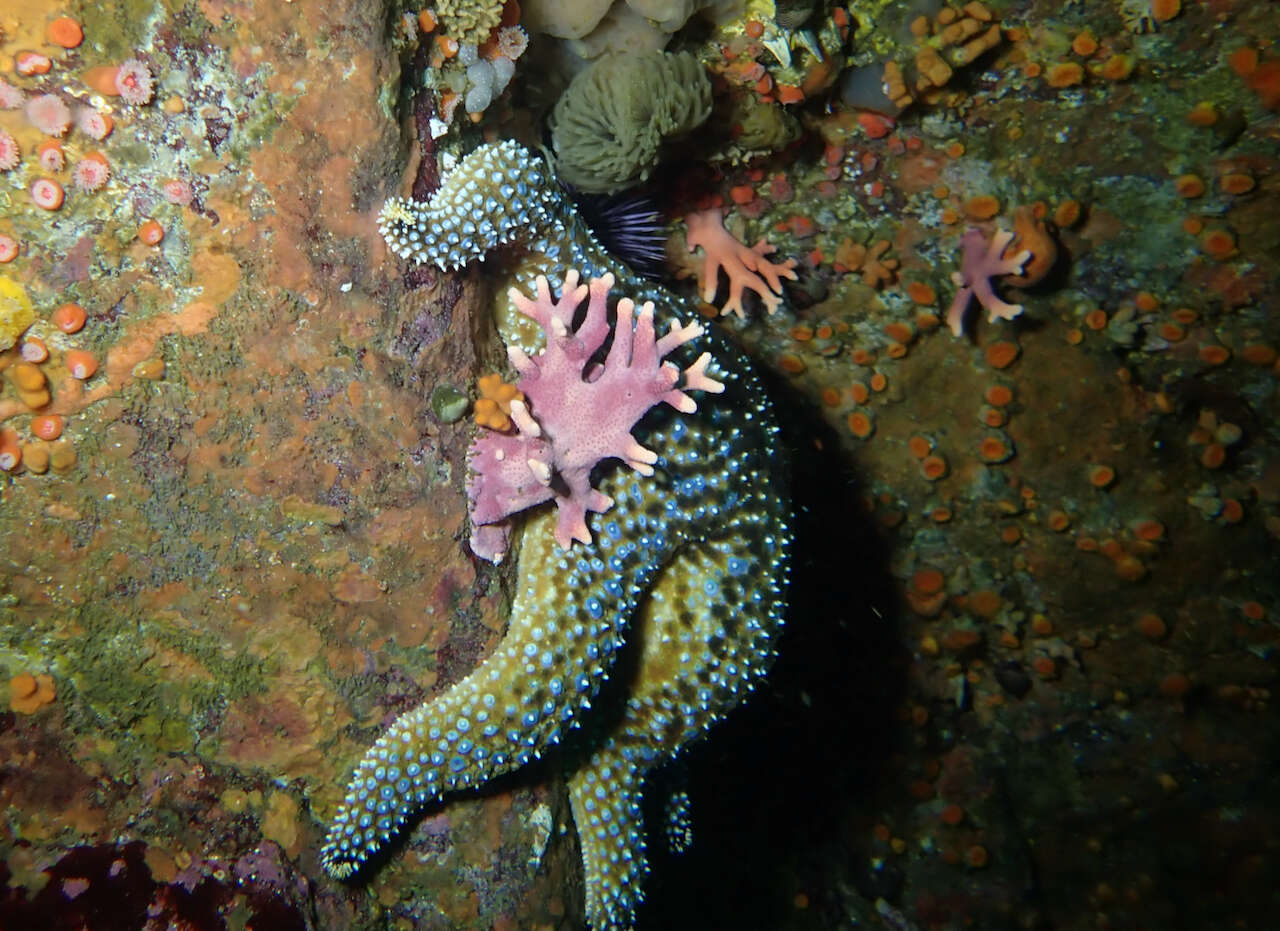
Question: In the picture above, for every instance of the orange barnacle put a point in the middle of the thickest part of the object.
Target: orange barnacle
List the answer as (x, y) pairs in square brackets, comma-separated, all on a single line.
[(1084, 44), (1253, 610), (427, 21), (1096, 319), (65, 31), (28, 64), (830, 397), (1045, 667), (862, 357), (1100, 476), (69, 318), (34, 350), (879, 382), (447, 46), (982, 207), (1214, 455), (1219, 243), (1146, 301), (895, 350), (992, 417), (1236, 182), (999, 395), (802, 333), (1213, 354), (1059, 521), (742, 194), (899, 332), (976, 857), (1064, 74), (791, 363), (824, 332), (861, 425), (921, 293), (1001, 353), (1203, 114), (81, 364), (754, 28), (858, 391), (1151, 626), (994, 448), (1259, 354), (1164, 10), (789, 93), (1075, 336), (151, 232), (1243, 61), (1118, 67), (1067, 213), (1232, 511), (933, 467), (10, 454), (919, 446), (1148, 529), (46, 426)]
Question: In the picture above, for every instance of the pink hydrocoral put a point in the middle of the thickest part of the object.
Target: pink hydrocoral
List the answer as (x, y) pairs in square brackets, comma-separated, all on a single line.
[(746, 268), (979, 263), (577, 413)]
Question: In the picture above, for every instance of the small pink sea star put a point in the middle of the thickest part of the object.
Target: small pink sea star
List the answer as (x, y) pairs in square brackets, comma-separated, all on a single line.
[(577, 413), (746, 268), (979, 263)]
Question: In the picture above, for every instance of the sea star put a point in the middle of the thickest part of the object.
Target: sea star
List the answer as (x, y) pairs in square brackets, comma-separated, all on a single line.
[(689, 564)]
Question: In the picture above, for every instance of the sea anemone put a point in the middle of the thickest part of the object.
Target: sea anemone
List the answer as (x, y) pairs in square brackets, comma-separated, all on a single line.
[(135, 82), (9, 152), (91, 172), (177, 191), (512, 41), (10, 97), (49, 114), (50, 155), (93, 123)]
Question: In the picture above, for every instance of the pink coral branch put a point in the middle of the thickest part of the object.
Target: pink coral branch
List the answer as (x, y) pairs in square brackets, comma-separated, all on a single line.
[(979, 263), (746, 268), (578, 413)]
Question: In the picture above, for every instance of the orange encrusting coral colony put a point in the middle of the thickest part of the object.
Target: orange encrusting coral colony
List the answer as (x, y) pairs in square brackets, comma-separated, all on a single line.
[(1034, 591)]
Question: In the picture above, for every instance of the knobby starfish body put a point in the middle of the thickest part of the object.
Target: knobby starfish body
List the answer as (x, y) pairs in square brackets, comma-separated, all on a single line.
[(688, 564)]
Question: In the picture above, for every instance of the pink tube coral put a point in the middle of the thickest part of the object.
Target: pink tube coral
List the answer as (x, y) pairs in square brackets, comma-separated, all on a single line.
[(577, 413)]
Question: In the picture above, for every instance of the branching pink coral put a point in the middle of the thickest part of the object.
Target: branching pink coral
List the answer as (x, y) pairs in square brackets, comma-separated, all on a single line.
[(746, 268), (979, 263), (577, 413)]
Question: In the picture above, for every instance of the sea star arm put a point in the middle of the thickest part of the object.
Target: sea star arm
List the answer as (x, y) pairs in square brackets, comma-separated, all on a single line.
[(692, 562)]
